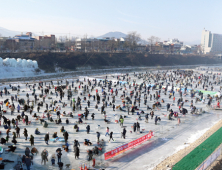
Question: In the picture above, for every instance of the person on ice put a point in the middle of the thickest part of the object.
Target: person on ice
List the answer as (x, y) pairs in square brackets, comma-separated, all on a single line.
[(87, 129), (124, 133)]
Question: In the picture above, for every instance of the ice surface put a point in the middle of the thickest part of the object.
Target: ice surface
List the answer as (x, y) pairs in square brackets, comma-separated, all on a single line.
[(169, 136)]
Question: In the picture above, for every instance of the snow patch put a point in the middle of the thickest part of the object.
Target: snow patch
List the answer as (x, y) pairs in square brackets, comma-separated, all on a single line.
[(191, 139), (197, 135), (12, 62), (12, 68)]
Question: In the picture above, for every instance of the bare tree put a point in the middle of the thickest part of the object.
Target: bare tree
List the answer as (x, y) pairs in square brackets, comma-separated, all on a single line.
[(60, 38), (152, 41), (112, 45), (132, 40), (157, 39)]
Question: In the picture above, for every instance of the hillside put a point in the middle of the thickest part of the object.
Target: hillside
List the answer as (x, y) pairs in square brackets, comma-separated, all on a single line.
[(8, 33), (113, 34)]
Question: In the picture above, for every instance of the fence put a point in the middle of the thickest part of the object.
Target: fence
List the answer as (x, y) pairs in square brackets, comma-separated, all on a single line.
[(210, 159), (127, 146)]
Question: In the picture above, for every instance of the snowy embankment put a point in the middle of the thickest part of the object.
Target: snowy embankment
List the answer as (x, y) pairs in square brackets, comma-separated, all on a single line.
[(12, 68)]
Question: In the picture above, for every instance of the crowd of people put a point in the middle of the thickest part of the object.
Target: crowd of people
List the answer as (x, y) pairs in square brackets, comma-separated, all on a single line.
[(59, 104)]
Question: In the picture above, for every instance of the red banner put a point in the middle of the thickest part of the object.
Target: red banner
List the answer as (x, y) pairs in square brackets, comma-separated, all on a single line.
[(127, 146)]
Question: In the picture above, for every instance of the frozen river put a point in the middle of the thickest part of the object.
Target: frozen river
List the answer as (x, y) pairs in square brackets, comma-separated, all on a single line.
[(169, 136)]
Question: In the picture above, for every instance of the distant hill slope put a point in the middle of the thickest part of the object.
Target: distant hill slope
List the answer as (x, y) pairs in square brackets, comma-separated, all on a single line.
[(113, 34), (8, 33), (120, 35)]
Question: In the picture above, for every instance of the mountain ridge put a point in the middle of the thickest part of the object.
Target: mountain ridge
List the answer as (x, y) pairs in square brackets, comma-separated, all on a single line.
[(8, 33), (115, 34)]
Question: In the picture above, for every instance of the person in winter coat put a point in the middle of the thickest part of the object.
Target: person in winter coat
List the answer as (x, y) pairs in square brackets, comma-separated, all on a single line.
[(31, 140), (53, 160), (55, 135), (18, 108), (111, 136), (66, 135), (107, 131), (22, 114), (90, 155), (147, 118), (25, 133), (28, 162), (88, 103), (76, 144), (14, 140), (8, 131), (93, 116), (8, 122), (121, 122), (156, 120), (45, 124), (34, 150), (37, 131), (27, 151), (44, 155), (26, 119), (13, 122), (17, 132), (62, 129), (134, 127), (3, 141), (168, 106), (60, 165), (98, 136), (47, 138), (38, 108), (59, 155), (138, 126), (77, 152), (12, 148), (87, 129), (124, 133), (152, 114), (12, 109)]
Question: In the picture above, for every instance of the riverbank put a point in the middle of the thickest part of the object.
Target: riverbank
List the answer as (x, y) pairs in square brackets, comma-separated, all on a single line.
[(170, 161), (52, 62)]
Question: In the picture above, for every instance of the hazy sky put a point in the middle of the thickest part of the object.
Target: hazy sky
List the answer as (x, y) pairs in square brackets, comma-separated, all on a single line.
[(166, 19)]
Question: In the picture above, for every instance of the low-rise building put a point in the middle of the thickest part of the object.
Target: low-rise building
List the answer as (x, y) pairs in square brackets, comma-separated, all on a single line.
[(45, 42), (23, 42)]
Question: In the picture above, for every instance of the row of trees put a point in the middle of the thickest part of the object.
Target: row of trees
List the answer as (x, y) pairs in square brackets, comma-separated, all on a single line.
[(131, 43), (133, 39)]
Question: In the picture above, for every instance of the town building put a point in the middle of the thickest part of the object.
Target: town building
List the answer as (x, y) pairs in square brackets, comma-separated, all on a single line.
[(23, 42), (99, 44), (2, 42), (211, 42), (172, 46), (45, 42)]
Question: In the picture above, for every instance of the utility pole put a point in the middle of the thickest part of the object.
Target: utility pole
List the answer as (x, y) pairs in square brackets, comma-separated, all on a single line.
[(85, 42), (69, 42)]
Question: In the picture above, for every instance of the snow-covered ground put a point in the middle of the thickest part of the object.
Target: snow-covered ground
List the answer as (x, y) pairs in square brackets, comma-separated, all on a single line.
[(169, 137)]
